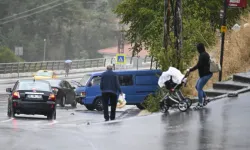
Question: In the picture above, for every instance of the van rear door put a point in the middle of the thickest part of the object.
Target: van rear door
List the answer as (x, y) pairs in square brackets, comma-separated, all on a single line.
[(145, 85)]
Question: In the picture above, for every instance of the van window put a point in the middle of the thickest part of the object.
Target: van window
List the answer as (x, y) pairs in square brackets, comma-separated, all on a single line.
[(126, 80), (96, 80), (146, 80)]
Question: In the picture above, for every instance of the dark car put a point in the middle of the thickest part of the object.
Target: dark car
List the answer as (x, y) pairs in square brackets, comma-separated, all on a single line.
[(65, 93), (31, 97)]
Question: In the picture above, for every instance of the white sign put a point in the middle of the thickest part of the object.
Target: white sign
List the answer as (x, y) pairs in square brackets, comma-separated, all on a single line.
[(19, 51)]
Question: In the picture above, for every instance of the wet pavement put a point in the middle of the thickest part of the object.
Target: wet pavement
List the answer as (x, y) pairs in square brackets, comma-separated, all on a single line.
[(222, 125)]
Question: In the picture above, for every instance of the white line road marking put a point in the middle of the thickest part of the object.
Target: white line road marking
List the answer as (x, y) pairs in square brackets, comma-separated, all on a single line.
[(7, 120)]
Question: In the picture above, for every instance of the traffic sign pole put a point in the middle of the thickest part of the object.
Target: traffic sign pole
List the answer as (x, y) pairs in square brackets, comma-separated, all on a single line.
[(223, 30)]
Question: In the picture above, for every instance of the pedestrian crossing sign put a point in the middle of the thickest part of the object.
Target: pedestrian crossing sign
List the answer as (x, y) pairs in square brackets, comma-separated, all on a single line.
[(121, 59)]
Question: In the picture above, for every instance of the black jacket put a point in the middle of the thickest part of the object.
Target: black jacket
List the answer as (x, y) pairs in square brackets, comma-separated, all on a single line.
[(203, 64), (109, 82)]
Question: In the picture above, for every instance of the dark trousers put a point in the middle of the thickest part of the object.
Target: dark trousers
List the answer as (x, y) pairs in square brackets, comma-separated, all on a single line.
[(105, 102)]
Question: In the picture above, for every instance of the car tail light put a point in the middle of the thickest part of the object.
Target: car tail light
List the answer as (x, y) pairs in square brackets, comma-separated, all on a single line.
[(15, 95), (83, 94), (52, 97)]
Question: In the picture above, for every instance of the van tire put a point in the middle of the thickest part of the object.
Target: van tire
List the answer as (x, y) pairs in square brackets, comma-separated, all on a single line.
[(90, 107), (140, 106), (98, 104)]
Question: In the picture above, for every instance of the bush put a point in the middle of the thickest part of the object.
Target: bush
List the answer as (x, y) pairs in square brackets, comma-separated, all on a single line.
[(153, 100)]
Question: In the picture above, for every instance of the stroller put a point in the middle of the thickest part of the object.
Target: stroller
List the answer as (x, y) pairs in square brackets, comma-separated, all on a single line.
[(173, 80)]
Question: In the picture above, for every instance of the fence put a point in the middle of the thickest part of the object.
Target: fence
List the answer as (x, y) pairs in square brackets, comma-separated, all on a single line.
[(59, 65)]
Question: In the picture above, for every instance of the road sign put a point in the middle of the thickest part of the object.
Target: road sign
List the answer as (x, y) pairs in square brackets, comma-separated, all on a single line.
[(18, 51), (223, 29), (237, 3), (121, 59)]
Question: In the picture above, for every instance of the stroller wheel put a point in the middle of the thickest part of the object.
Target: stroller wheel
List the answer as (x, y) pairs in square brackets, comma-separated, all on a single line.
[(189, 101), (183, 106), (163, 107)]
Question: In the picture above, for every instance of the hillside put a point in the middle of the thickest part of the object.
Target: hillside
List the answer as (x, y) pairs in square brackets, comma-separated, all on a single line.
[(236, 56)]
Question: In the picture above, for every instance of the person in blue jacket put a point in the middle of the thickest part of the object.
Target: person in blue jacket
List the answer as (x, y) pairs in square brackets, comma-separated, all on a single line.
[(109, 86)]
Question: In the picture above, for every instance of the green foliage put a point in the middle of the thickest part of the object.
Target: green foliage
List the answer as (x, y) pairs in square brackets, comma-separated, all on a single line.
[(153, 100), (200, 19), (7, 56), (74, 27), (145, 18)]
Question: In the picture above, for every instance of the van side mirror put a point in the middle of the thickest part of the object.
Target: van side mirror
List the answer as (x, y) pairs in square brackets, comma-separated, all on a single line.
[(8, 90)]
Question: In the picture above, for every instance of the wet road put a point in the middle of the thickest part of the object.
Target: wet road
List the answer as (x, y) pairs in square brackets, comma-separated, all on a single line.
[(223, 125)]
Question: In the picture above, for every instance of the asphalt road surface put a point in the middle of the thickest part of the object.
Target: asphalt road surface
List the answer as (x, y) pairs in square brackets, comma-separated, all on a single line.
[(222, 125)]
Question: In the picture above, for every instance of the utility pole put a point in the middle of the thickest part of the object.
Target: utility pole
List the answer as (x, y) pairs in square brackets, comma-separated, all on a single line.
[(178, 31), (44, 49), (223, 30)]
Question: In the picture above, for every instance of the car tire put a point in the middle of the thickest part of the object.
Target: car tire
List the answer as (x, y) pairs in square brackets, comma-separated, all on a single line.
[(63, 101), (52, 115), (10, 111), (90, 107), (74, 103), (98, 104)]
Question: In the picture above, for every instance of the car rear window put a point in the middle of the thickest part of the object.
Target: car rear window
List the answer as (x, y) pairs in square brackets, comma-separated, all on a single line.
[(39, 86)]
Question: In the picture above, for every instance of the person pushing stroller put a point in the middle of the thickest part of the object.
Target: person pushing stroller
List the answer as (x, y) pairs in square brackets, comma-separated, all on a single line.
[(203, 66)]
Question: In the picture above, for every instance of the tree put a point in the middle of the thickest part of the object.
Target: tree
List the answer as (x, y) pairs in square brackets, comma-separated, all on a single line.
[(7, 56), (146, 27)]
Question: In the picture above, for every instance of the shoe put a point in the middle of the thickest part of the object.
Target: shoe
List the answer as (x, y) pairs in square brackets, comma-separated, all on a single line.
[(199, 106), (112, 119), (106, 119)]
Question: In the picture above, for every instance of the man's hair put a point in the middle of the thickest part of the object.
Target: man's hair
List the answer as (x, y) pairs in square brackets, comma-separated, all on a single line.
[(109, 67)]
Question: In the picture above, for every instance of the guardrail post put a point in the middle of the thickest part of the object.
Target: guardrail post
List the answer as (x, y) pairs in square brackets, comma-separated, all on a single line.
[(47, 65), (35, 67), (29, 67), (58, 65), (41, 65), (104, 63), (5, 68), (131, 60), (145, 59), (24, 67), (53, 65), (11, 66)]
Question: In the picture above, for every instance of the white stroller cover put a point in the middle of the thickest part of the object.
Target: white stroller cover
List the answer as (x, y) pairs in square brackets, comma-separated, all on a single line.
[(176, 74)]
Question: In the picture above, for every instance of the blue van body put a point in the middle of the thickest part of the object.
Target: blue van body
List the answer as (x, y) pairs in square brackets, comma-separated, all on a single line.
[(136, 84)]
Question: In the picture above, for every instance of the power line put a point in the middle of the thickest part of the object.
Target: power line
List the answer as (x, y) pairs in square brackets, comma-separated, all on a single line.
[(29, 10), (35, 12)]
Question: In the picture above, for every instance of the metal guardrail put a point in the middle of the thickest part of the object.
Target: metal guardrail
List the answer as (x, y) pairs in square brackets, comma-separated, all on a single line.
[(59, 65)]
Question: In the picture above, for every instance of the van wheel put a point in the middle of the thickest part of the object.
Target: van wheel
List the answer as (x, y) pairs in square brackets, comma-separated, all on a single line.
[(90, 107), (140, 106), (98, 104)]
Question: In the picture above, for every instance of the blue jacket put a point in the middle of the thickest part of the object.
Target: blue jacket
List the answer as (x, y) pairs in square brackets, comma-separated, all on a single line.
[(109, 82)]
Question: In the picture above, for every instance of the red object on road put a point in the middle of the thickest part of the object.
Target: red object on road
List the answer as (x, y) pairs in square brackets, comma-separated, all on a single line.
[(237, 3)]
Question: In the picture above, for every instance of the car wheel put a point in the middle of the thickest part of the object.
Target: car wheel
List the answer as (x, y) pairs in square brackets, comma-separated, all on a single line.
[(74, 103), (90, 107), (98, 104), (63, 101), (10, 111), (52, 115)]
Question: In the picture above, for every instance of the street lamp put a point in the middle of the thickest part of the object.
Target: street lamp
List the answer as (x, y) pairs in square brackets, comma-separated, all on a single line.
[(44, 49)]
